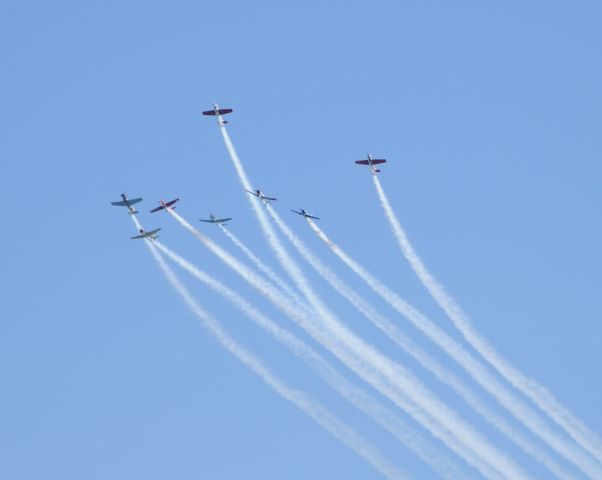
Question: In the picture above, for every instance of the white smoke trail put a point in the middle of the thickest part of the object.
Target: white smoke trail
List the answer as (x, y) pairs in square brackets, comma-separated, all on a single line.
[(473, 366), (479, 453), (358, 397), (540, 395), (343, 432), (383, 366), (136, 222), (426, 360), (273, 276)]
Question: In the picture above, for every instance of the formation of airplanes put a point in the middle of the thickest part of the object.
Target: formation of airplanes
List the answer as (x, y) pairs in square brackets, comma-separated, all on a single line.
[(218, 113)]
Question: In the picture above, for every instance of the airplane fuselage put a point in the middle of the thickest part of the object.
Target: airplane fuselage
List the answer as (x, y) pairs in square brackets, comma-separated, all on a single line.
[(132, 210)]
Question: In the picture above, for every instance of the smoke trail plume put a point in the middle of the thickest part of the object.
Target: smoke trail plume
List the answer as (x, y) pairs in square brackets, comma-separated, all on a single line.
[(473, 366), (273, 276), (540, 395), (358, 397), (426, 360), (310, 407), (397, 384), (372, 365)]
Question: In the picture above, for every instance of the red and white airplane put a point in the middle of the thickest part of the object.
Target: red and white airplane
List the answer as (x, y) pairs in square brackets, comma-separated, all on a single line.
[(164, 205), (372, 162), (218, 112)]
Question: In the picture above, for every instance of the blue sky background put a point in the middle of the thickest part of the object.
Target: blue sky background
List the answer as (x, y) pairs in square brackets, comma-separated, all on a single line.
[(489, 116)]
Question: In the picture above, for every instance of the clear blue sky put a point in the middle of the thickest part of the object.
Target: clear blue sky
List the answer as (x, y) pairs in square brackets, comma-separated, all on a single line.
[(489, 116)]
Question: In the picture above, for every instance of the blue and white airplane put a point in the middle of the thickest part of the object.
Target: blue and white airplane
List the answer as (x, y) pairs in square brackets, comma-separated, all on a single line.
[(259, 194), (127, 203), (217, 221), (304, 213)]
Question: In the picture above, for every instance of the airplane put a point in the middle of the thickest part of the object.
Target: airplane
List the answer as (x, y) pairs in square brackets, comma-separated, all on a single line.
[(259, 194), (372, 162), (304, 213), (218, 112), (164, 205), (217, 221), (151, 235), (127, 203)]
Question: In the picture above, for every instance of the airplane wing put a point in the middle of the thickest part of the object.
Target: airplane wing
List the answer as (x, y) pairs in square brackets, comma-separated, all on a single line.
[(165, 204), (123, 203), (263, 197), (215, 220), (311, 216), (146, 234), (298, 213), (221, 111), (374, 161)]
